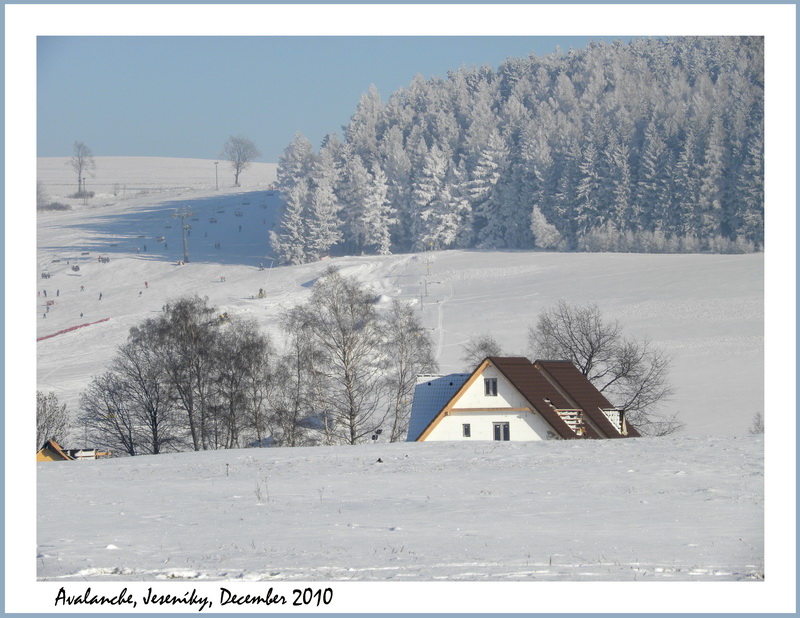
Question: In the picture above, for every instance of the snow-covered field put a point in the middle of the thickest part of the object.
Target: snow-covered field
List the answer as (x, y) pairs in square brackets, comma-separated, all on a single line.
[(686, 508), (671, 509)]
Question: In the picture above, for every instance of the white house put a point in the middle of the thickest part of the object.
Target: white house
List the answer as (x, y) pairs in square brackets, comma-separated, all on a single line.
[(510, 398)]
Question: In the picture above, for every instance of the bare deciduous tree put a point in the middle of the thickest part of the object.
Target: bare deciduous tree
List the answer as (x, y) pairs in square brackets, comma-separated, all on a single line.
[(631, 374), (341, 318), (479, 347), (242, 374), (186, 334), (52, 420), (240, 151), (140, 377), (295, 412), (108, 416), (82, 162), (408, 353), (758, 424)]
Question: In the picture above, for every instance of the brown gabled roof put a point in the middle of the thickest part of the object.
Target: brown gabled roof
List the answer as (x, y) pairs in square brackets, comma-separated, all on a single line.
[(578, 388), (537, 390)]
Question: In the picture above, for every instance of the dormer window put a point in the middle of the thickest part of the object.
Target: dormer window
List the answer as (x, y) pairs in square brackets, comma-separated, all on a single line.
[(490, 387)]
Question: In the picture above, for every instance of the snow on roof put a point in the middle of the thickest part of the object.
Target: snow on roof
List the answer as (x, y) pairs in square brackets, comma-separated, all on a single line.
[(430, 396)]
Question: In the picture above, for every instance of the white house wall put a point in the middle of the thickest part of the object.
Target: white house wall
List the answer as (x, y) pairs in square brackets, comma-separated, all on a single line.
[(507, 395), (524, 426)]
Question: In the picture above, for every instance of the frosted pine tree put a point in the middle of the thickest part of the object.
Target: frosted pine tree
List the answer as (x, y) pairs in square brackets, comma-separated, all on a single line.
[(751, 188), (589, 212), (481, 121), (323, 224), (440, 208), (566, 158), (361, 133), (323, 221), (354, 191), (289, 242), (712, 184), (486, 207), (653, 195), (396, 164), (377, 215), (517, 203), (295, 163), (687, 187), (623, 213)]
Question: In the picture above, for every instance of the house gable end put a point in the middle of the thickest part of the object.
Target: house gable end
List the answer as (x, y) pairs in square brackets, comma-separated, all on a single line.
[(453, 400)]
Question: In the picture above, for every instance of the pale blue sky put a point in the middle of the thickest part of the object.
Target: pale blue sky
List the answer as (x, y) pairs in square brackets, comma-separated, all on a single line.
[(184, 96)]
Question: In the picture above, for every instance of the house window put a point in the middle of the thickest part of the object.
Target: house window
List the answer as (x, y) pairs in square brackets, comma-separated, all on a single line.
[(501, 432), (490, 387), (466, 430)]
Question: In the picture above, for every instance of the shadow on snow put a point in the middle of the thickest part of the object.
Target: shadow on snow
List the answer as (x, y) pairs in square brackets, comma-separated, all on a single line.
[(227, 229)]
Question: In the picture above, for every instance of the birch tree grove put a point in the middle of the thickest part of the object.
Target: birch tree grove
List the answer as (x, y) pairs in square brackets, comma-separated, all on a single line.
[(194, 379)]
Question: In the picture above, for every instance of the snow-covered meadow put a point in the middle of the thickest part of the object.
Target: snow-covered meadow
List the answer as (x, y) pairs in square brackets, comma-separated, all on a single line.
[(672, 509), (685, 508)]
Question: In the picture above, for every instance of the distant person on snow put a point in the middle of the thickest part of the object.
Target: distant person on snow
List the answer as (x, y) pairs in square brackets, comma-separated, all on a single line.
[(101, 296), (145, 285)]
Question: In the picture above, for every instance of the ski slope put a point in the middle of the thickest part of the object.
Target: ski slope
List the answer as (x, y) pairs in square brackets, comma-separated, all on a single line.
[(707, 311)]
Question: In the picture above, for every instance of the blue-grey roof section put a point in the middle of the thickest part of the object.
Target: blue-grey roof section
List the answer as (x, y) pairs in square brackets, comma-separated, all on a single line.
[(431, 395)]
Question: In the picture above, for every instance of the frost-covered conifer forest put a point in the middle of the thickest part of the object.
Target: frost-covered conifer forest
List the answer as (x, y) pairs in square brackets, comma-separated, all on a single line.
[(652, 146)]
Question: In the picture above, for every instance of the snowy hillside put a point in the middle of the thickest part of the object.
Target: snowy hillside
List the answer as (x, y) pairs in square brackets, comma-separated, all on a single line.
[(705, 310)]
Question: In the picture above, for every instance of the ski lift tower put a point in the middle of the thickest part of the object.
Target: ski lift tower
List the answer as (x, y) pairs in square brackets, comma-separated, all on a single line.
[(182, 214)]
